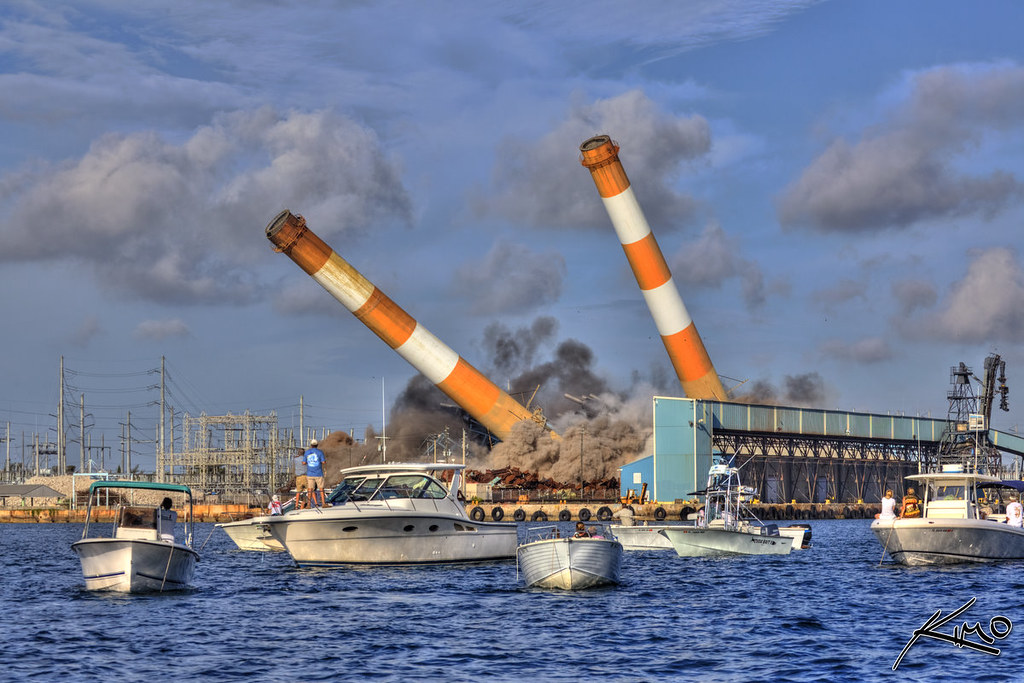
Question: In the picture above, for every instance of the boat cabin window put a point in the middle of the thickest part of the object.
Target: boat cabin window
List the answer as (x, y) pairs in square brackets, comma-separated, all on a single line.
[(346, 488), (358, 488), (410, 486), (138, 518), (942, 492)]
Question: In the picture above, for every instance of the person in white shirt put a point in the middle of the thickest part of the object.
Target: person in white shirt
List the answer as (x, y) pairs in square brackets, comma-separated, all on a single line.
[(888, 506), (275, 505), (624, 515), (1015, 512)]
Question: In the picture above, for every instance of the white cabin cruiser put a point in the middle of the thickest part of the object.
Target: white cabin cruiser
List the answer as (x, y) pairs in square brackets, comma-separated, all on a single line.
[(952, 528), (724, 531), (395, 513), (547, 560), (142, 553)]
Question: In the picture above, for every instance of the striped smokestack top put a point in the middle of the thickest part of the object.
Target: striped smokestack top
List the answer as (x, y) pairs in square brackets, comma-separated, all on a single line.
[(685, 348), (463, 383)]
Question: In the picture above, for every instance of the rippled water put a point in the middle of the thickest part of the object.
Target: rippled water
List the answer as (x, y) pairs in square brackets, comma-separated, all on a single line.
[(831, 613)]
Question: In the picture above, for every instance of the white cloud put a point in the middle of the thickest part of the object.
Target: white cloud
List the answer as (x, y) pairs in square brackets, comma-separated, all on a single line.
[(906, 169), (987, 305)]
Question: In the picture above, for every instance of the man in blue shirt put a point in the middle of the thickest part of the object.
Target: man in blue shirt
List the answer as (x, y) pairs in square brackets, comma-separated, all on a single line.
[(314, 459)]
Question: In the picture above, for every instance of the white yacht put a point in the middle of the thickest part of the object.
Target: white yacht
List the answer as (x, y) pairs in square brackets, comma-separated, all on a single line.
[(952, 528), (396, 513), (724, 531), (142, 552), (547, 560)]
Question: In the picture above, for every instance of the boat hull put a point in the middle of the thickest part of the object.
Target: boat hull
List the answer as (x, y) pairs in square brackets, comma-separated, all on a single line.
[(934, 541), (335, 537), (134, 565), (570, 563), (690, 541), (649, 538), (251, 534), (641, 537)]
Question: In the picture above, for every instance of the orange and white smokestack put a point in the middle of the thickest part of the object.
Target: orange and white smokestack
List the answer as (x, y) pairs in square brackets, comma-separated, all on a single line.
[(463, 383), (685, 348)]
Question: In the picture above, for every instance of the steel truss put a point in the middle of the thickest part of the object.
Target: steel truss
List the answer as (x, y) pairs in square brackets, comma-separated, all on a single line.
[(813, 469)]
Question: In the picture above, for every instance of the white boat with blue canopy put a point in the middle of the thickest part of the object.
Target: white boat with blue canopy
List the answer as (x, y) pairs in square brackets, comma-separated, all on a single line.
[(392, 514), (953, 528), (141, 551)]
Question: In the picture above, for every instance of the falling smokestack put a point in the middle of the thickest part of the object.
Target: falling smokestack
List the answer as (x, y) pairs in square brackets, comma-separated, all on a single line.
[(685, 348), (463, 383)]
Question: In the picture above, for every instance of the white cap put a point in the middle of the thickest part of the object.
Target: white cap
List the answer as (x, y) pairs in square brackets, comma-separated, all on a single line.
[(313, 442)]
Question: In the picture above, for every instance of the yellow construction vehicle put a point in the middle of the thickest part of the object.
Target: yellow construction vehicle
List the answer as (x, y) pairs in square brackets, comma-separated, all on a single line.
[(632, 499)]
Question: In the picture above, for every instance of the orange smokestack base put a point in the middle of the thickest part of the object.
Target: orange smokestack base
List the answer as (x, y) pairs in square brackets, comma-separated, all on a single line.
[(459, 380), (678, 332)]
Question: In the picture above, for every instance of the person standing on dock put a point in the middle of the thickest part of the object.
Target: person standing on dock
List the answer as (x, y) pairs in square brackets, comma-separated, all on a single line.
[(300, 479), (314, 459)]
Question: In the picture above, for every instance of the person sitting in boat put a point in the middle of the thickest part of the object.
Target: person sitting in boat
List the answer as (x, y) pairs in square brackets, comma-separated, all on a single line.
[(593, 533), (275, 505), (624, 515), (702, 516), (888, 506), (911, 505), (581, 531), (1015, 512), (167, 518)]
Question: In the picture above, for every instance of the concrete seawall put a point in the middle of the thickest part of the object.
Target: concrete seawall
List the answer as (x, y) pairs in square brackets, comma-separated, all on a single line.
[(484, 511)]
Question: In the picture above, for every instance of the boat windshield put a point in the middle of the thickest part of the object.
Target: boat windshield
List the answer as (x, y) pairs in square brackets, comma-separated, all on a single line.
[(359, 487), (410, 486), (941, 492)]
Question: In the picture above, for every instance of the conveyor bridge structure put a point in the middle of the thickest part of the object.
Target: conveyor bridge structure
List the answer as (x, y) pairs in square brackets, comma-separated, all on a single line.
[(788, 454)]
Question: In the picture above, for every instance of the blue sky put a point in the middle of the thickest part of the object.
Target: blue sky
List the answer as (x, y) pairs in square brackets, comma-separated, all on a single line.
[(836, 185)]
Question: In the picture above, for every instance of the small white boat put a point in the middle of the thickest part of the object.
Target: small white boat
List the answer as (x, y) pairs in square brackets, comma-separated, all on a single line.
[(729, 527), (142, 553), (392, 514), (951, 528), (549, 561), (649, 537), (253, 534)]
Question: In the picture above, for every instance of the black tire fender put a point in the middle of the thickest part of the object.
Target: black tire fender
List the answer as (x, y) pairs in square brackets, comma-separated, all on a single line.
[(660, 513), (604, 513), (564, 515), (477, 514), (519, 515), (539, 516), (497, 514)]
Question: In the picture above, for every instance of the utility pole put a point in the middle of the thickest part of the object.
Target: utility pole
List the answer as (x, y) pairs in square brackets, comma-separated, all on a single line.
[(160, 447), (81, 432), (60, 421)]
